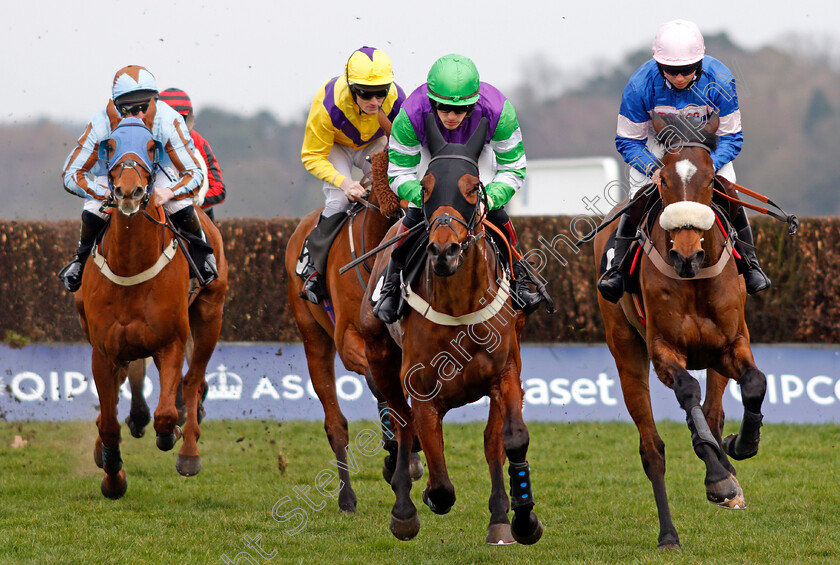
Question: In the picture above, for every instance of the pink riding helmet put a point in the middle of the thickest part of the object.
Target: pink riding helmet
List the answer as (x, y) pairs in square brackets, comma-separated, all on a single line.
[(678, 43)]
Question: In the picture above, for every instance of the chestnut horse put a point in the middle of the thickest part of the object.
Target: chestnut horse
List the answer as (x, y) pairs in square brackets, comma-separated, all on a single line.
[(323, 335), (133, 304), (693, 310), (429, 357)]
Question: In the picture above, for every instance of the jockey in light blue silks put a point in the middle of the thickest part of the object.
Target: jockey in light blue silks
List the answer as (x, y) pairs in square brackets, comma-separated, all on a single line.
[(178, 175), (679, 79)]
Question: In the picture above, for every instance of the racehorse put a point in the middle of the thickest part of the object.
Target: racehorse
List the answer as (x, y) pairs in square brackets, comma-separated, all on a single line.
[(334, 325), (135, 304), (429, 357), (691, 316)]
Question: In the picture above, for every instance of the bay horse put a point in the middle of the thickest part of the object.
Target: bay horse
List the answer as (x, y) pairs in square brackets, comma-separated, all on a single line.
[(135, 304), (691, 316), (457, 343), (326, 332)]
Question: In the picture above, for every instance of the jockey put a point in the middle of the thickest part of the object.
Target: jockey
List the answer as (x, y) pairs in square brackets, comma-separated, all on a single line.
[(679, 79), (459, 100), (178, 176), (344, 127), (212, 190)]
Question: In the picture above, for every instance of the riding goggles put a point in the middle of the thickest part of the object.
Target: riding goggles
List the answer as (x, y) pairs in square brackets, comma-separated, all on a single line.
[(132, 109), (683, 70), (369, 94), (447, 108)]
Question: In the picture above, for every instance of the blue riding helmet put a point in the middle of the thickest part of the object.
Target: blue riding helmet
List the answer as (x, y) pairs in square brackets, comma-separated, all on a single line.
[(132, 138)]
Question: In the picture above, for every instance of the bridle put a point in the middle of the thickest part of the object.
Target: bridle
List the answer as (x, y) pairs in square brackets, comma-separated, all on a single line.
[(474, 227)]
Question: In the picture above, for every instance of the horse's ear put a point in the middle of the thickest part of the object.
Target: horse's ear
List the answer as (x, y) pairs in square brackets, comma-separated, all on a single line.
[(149, 117), (433, 136), (712, 123), (475, 145), (658, 122), (113, 115), (427, 186), (152, 150)]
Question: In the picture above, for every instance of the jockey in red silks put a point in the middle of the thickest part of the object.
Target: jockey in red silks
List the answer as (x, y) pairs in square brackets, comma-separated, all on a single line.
[(212, 191)]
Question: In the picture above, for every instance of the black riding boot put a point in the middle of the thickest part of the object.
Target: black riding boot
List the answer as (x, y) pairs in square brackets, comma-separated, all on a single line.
[(754, 277), (186, 220), (312, 288), (521, 295), (386, 305), (611, 283), (71, 274)]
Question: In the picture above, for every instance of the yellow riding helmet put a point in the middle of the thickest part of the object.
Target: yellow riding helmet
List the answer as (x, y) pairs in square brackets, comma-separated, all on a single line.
[(368, 66)]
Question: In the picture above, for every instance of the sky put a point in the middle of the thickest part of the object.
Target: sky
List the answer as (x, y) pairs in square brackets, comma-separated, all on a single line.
[(58, 58)]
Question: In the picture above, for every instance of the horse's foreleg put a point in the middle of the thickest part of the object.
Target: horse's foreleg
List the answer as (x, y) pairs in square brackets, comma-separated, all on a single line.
[(106, 376), (526, 527), (753, 387), (169, 362), (439, 494), (139, 416), (720, 485), (632, 361), (498, 532), (713, 410)]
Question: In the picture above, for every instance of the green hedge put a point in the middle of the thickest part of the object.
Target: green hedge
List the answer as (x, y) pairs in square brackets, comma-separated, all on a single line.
[(801, 306)]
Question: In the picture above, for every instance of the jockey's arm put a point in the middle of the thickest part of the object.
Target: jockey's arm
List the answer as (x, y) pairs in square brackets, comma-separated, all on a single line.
[(180, 150), (510, 159), (404, 159), (318, 140), (632, 129), (82, 161)]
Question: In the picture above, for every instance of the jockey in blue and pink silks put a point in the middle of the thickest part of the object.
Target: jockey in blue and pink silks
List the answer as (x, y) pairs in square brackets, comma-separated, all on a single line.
[(455, 95), (680, 79), (177, 178)]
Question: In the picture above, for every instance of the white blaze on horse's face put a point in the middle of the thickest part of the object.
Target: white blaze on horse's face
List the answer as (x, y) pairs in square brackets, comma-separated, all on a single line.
[(685, 169)]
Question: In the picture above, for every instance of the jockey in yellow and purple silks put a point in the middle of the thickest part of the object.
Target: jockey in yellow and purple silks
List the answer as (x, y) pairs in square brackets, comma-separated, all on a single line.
[(343, 128), (177, 177), (458, 99)]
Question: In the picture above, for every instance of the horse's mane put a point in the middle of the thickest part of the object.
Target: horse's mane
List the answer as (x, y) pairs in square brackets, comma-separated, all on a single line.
[(681, 128)]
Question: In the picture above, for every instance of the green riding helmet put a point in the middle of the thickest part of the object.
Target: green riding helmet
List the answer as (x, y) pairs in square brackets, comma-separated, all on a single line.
[(453, 80)]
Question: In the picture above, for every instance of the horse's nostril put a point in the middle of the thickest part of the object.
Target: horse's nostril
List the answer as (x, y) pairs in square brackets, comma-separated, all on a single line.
[(434, 250), (452, 250)]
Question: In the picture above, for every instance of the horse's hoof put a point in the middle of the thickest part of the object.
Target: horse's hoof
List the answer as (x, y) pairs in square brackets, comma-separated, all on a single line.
[(499, 534), (738, 502), (167, 442), (729, 447), (137, 425), (97, 454), (443, 508), (668, 546), (114, 487), (347, 500), (188, 465), (723, 490), (405, 529), (415, 467), (527, 534)]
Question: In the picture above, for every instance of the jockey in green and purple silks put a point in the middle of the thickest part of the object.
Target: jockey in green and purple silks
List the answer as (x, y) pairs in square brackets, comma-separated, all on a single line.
[(459, 100)]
